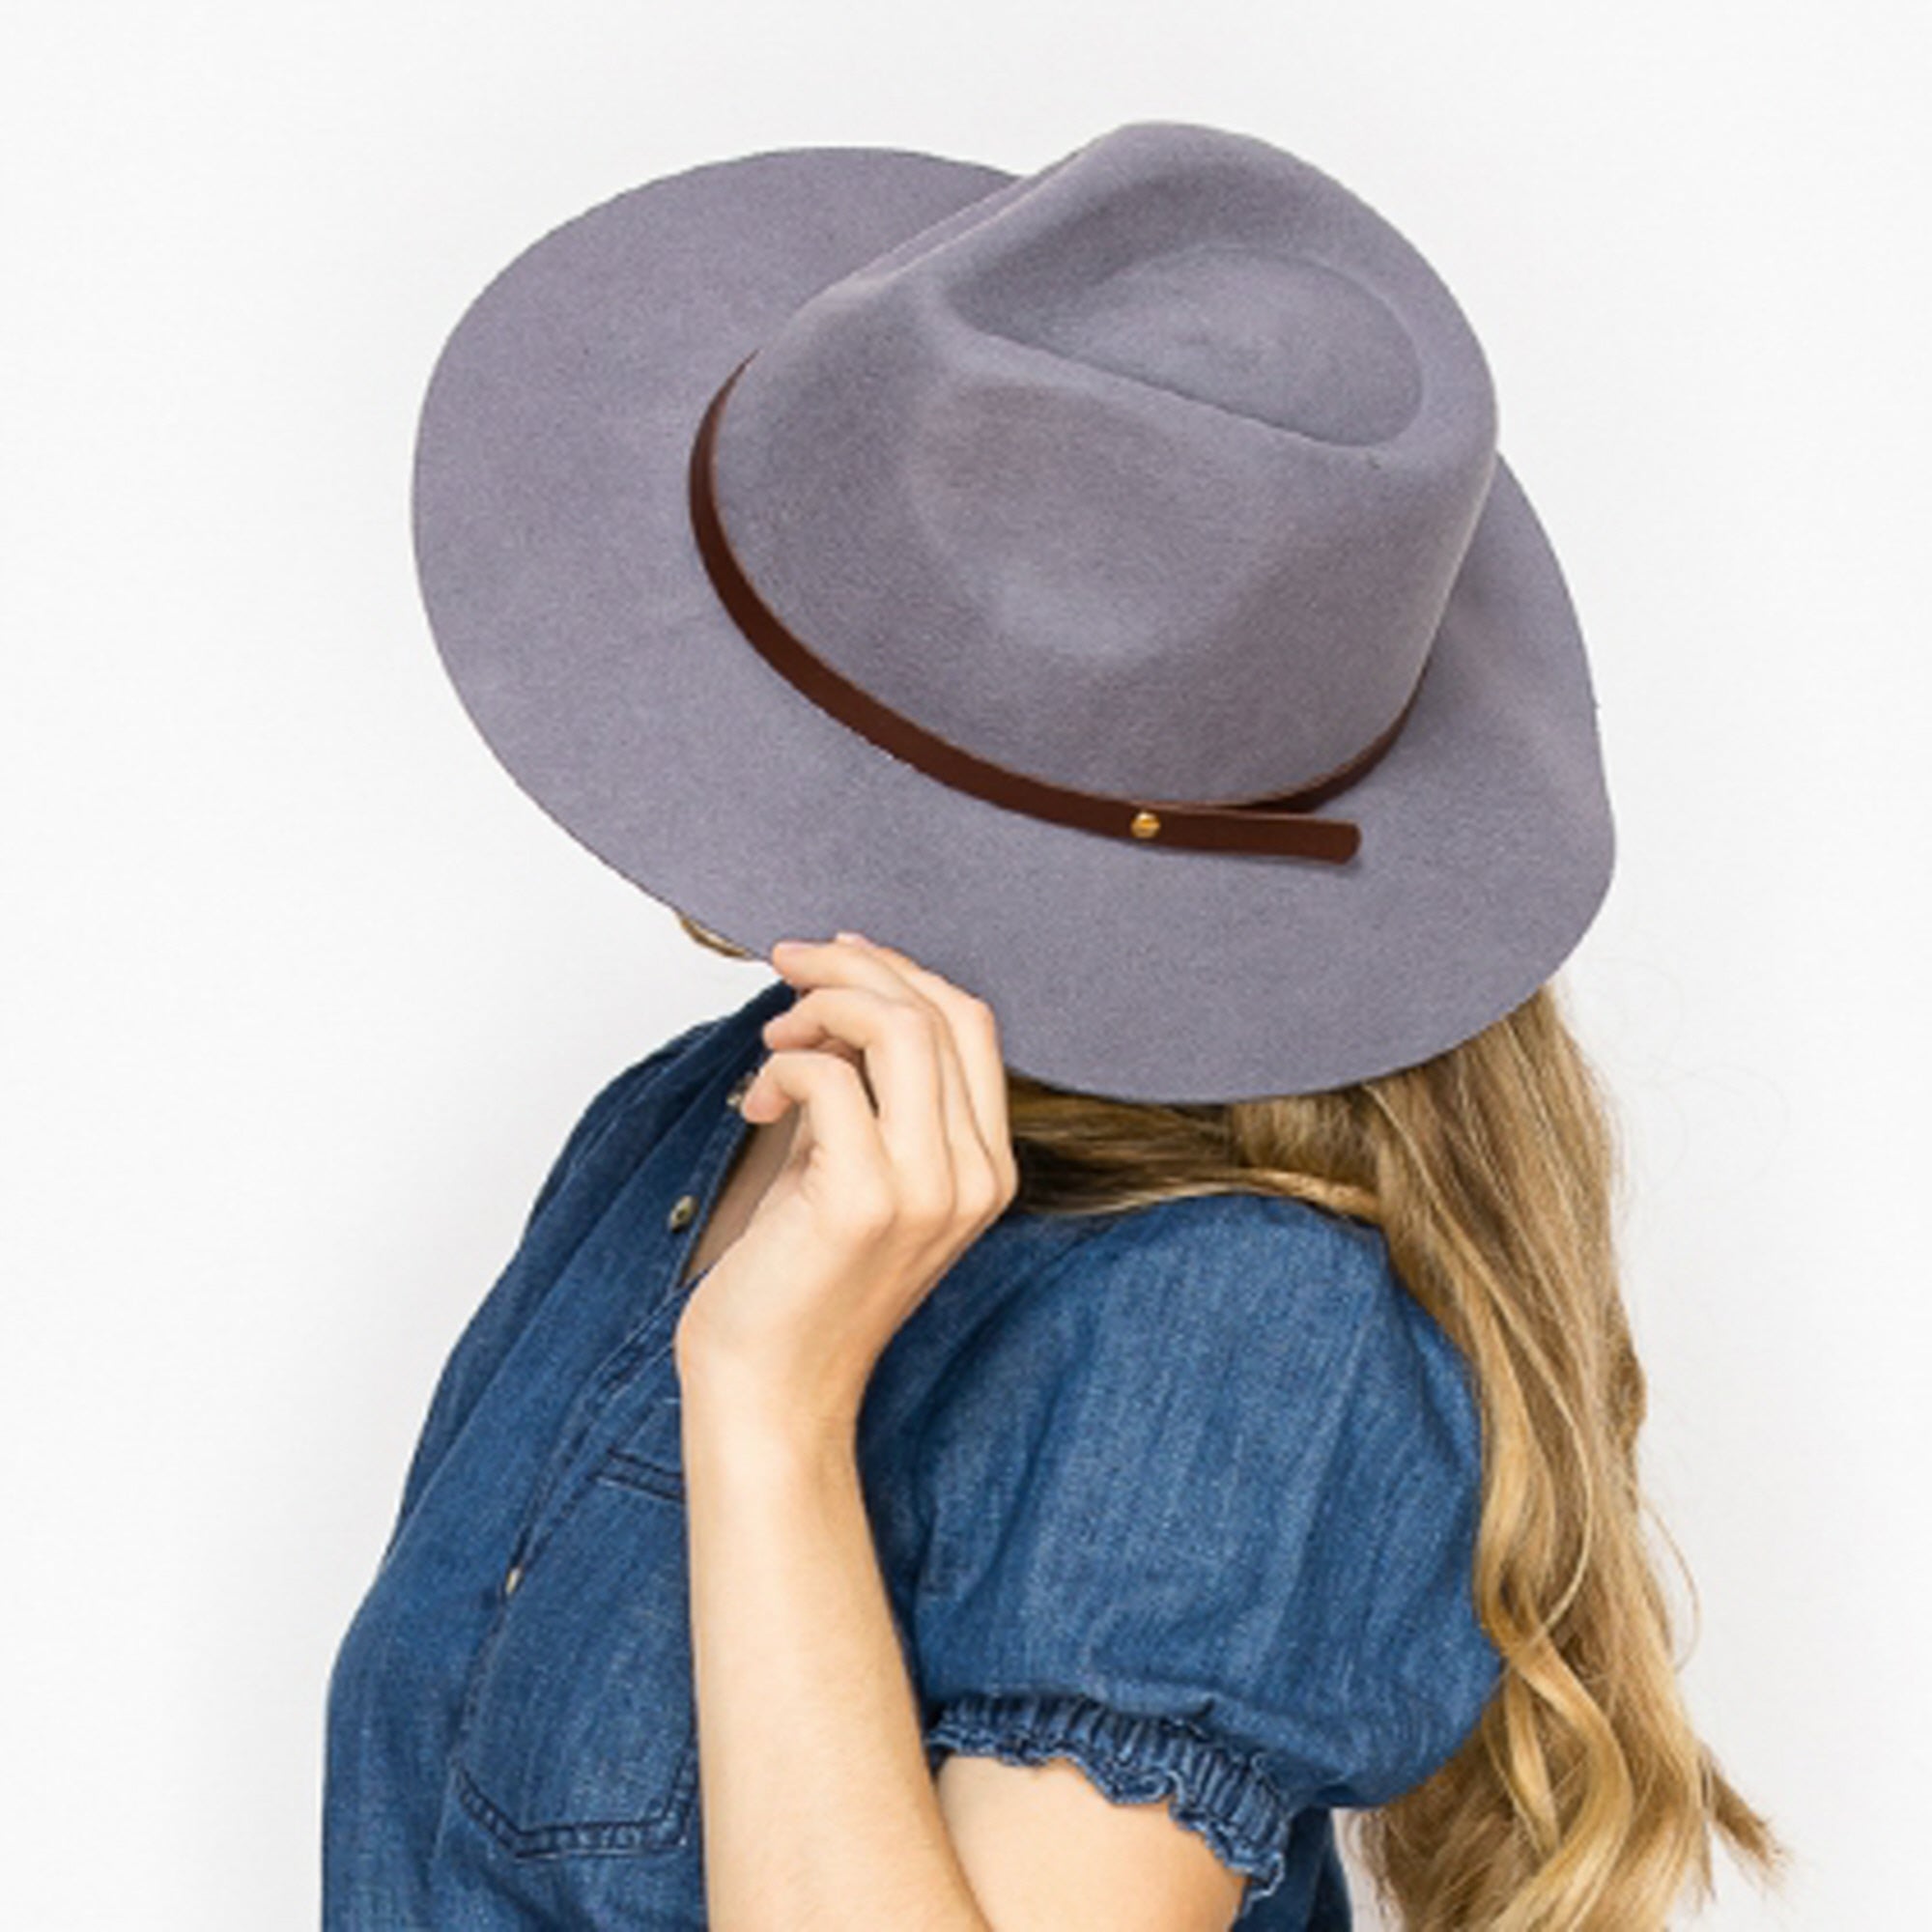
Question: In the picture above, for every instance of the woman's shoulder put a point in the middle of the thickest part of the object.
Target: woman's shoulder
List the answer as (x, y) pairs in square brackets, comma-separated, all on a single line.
[(1278, 1287), (1169, 1326), (1244, 1249)]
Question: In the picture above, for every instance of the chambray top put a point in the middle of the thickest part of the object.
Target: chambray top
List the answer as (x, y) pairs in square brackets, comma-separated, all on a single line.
[(1185, 1492)]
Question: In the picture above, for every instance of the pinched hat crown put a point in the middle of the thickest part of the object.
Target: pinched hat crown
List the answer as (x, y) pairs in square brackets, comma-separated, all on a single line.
[(1149, 472)]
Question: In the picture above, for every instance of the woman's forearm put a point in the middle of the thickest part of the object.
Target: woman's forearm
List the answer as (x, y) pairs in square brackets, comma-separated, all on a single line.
[(819, 1811)]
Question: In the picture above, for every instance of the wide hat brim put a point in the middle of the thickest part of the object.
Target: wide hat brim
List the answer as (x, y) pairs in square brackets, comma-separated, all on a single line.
[(573, 612)]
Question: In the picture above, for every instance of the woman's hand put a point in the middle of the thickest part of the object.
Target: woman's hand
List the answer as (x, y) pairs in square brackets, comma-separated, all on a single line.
[(899, 1160)]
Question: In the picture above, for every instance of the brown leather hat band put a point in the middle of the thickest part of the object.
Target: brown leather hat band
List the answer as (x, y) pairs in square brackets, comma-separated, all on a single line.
[(1273, 826)]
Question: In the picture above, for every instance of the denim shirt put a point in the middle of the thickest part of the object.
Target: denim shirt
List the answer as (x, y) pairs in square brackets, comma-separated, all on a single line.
[(1184, 1493)]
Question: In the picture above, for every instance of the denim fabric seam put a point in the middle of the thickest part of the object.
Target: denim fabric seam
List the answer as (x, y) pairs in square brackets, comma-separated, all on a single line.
[(667, 1825), (649, 1339), (550, 1507), (626, 1471), (1219, 1792)]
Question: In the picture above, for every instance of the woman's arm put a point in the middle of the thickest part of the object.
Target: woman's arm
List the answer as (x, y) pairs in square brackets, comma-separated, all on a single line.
[(818, 1810), (818, 1807)]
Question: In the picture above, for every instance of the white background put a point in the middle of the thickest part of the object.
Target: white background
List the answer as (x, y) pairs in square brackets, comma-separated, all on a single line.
[(300, 994)]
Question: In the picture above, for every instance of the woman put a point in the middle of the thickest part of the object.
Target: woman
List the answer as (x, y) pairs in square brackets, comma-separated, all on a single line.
[(890, 1488)]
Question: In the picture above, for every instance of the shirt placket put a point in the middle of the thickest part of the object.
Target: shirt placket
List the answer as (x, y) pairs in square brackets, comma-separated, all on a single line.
[(602, 1412)]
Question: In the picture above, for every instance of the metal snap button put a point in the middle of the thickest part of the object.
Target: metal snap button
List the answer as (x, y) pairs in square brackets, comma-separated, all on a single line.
[(739, 1088), (685, 1206)]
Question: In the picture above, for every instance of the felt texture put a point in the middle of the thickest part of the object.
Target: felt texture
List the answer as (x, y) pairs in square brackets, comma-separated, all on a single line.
[(1166, 470)]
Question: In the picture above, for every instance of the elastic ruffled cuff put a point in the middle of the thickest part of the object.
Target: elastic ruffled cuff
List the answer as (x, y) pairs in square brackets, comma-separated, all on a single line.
[(1223, 1796)]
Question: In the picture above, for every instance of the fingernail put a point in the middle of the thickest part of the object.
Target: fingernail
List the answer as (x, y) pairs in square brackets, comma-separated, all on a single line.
[(859, 936)]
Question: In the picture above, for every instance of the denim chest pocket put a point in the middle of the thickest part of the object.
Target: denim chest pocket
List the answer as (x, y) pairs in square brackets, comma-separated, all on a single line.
[(650, 1456), (580, 1726)]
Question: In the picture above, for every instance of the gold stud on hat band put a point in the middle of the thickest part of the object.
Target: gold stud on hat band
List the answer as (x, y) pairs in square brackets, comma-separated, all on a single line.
[(1278, 825)]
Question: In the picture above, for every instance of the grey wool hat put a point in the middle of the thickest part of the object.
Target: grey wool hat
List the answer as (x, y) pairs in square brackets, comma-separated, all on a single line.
[(1100, 584)]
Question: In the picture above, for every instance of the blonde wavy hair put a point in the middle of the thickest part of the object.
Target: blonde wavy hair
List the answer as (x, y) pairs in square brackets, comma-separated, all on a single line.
[(1583, 1799)]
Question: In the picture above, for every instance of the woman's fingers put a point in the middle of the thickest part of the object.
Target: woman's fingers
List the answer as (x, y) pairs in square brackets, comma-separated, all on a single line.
[(903, 1063), (977, 1036), (837, 1115), (849, 973)]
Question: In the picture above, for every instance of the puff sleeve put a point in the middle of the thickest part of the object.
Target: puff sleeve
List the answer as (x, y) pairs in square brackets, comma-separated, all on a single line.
[(1201, 1502)]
